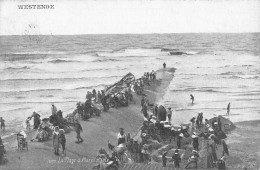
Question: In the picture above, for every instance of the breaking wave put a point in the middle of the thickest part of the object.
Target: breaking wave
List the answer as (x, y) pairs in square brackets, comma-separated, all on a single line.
[(63, 61)]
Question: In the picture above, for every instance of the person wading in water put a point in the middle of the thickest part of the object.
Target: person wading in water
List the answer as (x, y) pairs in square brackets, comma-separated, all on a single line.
[(228, 109), (192, 98)]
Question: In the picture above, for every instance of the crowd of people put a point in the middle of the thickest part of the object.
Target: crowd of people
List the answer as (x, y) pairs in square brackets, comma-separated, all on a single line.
[(155, 126)]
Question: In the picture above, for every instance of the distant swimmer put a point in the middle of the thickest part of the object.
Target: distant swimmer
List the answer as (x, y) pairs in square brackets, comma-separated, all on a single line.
[(228, 109), (192, 98), (164, 65)]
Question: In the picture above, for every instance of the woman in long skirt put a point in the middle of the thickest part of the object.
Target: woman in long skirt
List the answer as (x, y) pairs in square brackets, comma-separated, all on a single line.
[(56, 136)]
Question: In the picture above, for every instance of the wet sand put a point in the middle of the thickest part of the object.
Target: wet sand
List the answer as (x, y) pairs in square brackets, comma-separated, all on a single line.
[(96, 132)]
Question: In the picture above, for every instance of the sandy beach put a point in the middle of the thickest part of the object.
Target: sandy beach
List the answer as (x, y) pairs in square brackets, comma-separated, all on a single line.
[(96, 132)]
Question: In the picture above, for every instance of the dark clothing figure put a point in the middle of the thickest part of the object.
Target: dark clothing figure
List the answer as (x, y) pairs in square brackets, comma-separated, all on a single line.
[(179, 142), (62, 141), (36, 120), (94, 94), (197, 123), (164, 65), (176, 159), (54, 119), (195, 143), (164, 159), (228, 109), (2, 121), (78, 129), (192, 98), (219, 124)]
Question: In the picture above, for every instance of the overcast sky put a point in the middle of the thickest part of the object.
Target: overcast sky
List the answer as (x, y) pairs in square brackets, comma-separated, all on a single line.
[(121, 16)]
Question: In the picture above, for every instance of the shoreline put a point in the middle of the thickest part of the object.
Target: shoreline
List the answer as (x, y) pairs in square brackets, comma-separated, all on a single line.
[(96, 132)]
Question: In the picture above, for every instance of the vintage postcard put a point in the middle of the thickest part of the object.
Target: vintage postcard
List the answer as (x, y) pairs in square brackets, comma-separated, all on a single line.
[(129, 84)]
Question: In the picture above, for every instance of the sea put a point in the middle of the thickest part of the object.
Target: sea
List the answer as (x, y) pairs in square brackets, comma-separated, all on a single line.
[(38, 70)]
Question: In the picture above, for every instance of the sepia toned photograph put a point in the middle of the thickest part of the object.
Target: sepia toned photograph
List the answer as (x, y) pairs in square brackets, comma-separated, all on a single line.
[(129, 84)]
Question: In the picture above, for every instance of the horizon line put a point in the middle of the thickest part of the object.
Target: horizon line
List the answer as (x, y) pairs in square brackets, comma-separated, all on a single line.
[(133, 33)]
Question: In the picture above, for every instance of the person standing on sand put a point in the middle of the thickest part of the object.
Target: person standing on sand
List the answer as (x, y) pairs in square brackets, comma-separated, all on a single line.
[(179, 137), (36, 120), (228, 109), (192, 98), (169, 114), (62, 141), (53, 109), (176, 159), (195, 141), (55, 140), (2, 124), (121, 137), (78, 129), (164, 65)]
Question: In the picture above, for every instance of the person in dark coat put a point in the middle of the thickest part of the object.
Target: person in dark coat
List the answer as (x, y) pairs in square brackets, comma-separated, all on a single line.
[(55, 120), (195, 141), (176, 159), (62, 141), (78, 129), (179, 137), (192, 98), (164, 65), (36, 120)]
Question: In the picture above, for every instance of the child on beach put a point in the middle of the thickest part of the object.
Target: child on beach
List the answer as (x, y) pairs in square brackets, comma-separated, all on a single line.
[(56, 136), (2, 124), (27, 122), (62, 141)]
